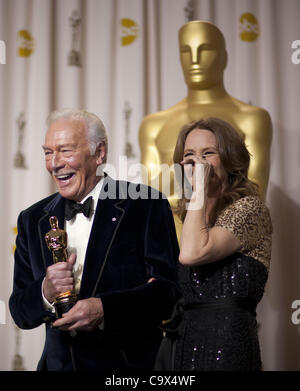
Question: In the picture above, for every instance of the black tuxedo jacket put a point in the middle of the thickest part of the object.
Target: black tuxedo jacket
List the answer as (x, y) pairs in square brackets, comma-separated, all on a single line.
[(131, 240)]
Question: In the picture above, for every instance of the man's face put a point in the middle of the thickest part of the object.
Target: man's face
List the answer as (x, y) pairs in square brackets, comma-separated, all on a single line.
[(68, 158), (202, 55)]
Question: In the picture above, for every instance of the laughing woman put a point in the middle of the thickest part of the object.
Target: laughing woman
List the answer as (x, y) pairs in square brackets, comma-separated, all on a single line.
[(225, 252)]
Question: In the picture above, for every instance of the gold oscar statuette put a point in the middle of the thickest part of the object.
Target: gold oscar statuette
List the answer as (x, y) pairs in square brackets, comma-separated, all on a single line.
[(203, 57), (56, 240)]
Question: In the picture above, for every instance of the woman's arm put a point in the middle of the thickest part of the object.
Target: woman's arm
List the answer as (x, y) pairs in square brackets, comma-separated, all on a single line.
[(200, 244)]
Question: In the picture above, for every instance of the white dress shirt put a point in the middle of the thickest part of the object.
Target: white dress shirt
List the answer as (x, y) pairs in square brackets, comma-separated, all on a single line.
[(78, 230)]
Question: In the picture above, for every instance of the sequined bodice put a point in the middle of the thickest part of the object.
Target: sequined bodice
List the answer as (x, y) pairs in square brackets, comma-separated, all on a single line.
[(223, 339), (237, 275)]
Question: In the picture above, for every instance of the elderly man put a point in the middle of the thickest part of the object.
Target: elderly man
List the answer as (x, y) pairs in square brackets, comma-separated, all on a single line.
[(121, 264)]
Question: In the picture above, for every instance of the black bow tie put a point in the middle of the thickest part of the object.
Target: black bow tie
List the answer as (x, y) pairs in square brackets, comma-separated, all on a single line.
[(72, 207)]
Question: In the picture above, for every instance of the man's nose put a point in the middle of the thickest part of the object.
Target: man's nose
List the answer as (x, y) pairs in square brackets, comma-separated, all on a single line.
[(56, 161)]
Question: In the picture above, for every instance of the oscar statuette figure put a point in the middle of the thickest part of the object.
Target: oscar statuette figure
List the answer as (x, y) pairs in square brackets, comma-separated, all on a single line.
[(56, 240)]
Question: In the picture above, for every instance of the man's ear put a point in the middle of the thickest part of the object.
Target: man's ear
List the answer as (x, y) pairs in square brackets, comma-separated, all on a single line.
[(100, 153)]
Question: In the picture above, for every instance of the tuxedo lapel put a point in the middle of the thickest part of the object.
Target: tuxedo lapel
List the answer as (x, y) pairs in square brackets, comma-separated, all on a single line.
[(54, 208), (108, 216)]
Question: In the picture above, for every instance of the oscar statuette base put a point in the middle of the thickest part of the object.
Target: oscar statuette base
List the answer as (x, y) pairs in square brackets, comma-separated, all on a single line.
[(63, 303)]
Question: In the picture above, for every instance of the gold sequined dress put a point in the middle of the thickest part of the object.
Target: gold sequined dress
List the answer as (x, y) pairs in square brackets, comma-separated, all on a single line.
[(218, 329)]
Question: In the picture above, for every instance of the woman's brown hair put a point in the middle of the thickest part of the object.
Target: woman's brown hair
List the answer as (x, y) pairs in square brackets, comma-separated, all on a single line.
[(234, 156)]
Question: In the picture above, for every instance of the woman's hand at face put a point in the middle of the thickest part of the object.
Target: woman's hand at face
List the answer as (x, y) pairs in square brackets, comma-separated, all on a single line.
[(198, 172)]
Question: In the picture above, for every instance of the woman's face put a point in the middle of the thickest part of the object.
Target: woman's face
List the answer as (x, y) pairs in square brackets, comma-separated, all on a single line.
[(202, 144)]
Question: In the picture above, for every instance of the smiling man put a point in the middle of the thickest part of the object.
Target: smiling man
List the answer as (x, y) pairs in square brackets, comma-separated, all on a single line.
[(69, 159), (122, 256)]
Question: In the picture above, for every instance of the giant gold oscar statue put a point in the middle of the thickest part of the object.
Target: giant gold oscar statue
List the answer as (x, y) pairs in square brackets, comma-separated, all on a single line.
[(203, 58)]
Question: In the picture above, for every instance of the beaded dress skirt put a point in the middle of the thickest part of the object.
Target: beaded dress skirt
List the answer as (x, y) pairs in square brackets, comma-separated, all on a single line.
[(223, 338)]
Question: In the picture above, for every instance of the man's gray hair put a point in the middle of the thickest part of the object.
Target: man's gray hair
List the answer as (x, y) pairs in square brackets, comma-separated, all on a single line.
[(96, 132)]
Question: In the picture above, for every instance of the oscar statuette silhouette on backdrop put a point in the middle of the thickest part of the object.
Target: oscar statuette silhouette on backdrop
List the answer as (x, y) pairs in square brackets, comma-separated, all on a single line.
[(203, 59)]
